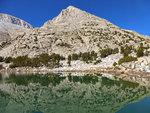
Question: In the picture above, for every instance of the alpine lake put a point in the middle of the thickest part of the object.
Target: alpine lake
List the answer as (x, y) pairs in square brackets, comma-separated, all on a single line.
[(69, 93)]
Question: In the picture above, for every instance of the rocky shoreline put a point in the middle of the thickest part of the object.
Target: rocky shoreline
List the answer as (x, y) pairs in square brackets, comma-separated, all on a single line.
[(137, 71), (139, 77)]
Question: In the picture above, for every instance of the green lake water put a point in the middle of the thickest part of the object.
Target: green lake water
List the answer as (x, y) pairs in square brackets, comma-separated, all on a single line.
[(56, 93)]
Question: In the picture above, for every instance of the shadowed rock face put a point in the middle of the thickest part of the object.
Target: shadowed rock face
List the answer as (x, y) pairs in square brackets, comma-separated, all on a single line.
[(5, 18), (90, 93)]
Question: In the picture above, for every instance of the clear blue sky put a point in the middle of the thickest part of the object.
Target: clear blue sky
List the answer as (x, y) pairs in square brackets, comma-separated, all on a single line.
[(127, 14)]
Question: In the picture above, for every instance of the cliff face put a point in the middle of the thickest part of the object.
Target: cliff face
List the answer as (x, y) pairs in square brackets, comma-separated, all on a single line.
[(11, 27), (73, 31), (12, 21)]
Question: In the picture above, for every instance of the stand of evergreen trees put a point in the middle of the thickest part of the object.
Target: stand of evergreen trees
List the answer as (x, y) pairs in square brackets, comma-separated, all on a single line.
[(53, 60), (108, 51), (42, 60), (86, 57)]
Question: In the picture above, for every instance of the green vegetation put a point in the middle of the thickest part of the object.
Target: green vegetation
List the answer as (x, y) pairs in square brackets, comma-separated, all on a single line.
[(8, 59), (3, 44), (114, 64), (140, 52), (64, 45), (0, 77), (21, 61), (114, 51), (69, 57), (107, 82), (126, 50), (105, 52), (69, 60), (42, 60), (86, 57), (97, 61), (75, 56), (44, 80), (93, 55), (1, 67), (108, 51), (86, 79), (128, 83), (1, 59), (78, 37), (36, 62), (50, 79), (127, 59)]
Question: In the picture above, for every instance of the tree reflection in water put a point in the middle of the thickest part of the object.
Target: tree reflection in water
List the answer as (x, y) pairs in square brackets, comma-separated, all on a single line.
[(52, 93)]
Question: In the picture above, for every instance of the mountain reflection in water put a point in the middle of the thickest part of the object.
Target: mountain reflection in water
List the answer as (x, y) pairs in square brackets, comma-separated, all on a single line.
[(54, 93)]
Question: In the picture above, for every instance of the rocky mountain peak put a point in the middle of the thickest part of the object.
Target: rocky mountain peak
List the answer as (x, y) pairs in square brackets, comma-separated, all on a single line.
[(69, 15), (72, 8), (11, 27), (74, 16), (72, 31), (8, 19)]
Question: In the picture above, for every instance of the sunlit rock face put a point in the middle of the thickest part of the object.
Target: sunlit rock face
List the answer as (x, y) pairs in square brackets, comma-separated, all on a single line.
[(10, 28), (72, 31), (89, 93), (4, 37)]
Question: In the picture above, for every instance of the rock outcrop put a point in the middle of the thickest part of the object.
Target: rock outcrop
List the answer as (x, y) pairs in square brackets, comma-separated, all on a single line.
[(12, 21), (4, 37), (11, 27), (142, 64)]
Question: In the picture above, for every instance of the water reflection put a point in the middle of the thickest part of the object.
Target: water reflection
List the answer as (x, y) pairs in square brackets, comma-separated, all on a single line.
[(52, 93), (44, 80), (86, 79), (0, 77)]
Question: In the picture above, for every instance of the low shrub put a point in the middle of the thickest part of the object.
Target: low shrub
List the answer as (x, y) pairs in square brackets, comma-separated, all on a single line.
[(69, 63), (86, 56), (1, 66), (12, 66), (108, 51), (8, 59), (126, 50), (127, 59), (105, 52), (140, 52), (69, 58), (97, 62), (1, 59), (64, 45), (114, 64), (75, 56)]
